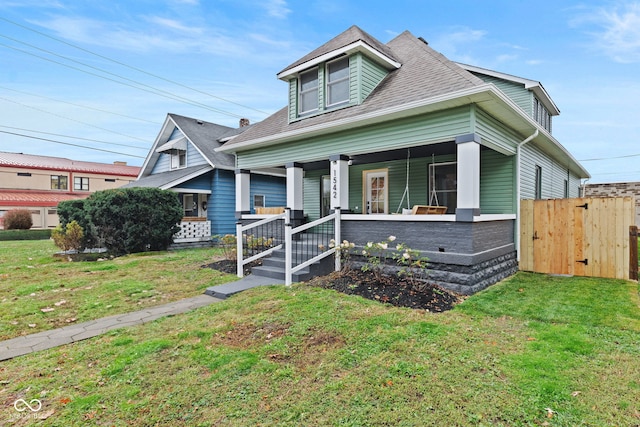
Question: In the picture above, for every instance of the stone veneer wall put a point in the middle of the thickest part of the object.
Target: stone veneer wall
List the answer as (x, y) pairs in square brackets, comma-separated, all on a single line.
[(616, 189)]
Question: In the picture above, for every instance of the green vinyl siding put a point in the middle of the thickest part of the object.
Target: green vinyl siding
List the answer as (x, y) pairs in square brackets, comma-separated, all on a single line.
[(516, 91), (311, 191), (293, 99), (371, 76), (402, 133), (554, 175), (495, 134), (497, 178)]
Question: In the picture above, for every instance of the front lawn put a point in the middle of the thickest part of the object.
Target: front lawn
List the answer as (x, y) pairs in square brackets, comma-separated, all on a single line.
[(533, 350), (39, 291)]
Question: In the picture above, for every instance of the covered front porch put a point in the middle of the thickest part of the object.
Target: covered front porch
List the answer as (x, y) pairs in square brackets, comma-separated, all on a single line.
[(470, 240)]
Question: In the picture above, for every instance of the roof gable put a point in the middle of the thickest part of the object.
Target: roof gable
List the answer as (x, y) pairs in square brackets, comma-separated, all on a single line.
[(351, 40), (203, 136), (424, 74)]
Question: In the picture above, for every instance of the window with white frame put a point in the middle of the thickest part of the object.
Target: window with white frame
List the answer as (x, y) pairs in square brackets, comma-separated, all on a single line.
[(308, 91), (337, 82), (178, 159), (541, 114), (80, 183)]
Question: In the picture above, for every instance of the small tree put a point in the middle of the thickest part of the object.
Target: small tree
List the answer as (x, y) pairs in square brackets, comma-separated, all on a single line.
[(69, 237), (73, 210), (18, 219)]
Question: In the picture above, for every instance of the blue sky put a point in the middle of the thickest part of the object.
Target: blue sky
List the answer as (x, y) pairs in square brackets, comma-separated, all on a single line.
[(105, 74)]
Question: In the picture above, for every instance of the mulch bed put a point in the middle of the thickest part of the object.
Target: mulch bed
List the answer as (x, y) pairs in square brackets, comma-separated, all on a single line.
[(388, 289), (393, 290)]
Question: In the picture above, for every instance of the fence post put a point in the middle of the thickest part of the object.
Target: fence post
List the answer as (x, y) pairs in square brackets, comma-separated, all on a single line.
[(633, 249), (288, 243), (338, 239), (240, 266)]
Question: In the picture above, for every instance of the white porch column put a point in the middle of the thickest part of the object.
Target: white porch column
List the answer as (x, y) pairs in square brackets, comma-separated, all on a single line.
[(243, 192), (339, 182), (295, 196), (468, 202)]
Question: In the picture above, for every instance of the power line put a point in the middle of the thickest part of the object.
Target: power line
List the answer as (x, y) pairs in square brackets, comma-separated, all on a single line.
[(151, 89), (81, 106), (74, 137), (130, 66), (74, 120), (73, 145), (610, 158)]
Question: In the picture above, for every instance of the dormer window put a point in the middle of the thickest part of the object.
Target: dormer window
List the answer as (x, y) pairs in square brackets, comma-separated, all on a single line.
[(541, 114), (308, 95), (178, 159), (337, 82)]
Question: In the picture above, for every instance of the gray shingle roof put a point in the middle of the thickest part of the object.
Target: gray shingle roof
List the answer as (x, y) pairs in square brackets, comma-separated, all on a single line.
[(161, 180), (424, 74), (205, 136), (351, 35)]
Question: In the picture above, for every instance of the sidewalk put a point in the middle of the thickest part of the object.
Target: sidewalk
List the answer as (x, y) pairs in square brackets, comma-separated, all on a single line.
[(73, 333)]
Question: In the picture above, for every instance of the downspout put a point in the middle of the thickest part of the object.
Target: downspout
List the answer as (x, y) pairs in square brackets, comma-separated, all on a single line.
[(518, 191)]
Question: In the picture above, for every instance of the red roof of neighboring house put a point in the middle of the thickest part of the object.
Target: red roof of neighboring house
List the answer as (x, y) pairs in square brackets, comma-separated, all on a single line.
[(35, 198), (19, 160)]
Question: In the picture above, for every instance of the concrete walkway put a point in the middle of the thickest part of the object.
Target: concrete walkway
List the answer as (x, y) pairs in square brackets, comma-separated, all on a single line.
[(82, 331)]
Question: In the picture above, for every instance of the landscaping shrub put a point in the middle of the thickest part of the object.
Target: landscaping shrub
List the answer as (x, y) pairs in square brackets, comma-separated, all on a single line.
[(73, 210), (17, 219), (127, 220), (35, 234), (69, 237)]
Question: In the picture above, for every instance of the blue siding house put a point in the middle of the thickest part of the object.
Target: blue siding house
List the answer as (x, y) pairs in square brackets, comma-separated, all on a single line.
[(184, 159)]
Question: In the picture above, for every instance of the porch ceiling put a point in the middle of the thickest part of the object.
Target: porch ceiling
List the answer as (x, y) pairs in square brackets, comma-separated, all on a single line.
[(440, 149)]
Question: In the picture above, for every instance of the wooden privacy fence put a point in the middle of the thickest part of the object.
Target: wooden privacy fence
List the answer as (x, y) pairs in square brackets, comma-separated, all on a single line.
[(584, 237)]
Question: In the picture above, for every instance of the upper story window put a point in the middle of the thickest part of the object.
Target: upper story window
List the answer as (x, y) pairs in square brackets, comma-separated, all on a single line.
[(541, 114), (80, 183), (59, 182), (337, 82), (308, 92), (178, 159)]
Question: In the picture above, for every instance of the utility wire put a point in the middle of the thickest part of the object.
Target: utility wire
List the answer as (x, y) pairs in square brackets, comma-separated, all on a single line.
[(155, 91), (73, 145), (130, 66), (610, 158), (74, 120), (81, 106), (74, 137)]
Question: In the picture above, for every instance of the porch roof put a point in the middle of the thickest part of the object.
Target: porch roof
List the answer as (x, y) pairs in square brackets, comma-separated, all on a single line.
[(167, 180)]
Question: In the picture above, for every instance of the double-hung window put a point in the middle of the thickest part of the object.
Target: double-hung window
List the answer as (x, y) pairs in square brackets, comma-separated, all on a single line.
[(337, 82), (80, 183), (308, 91)]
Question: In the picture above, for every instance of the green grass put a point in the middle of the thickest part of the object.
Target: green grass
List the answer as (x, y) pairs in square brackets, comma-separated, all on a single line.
[(305, 356), (32, 280)]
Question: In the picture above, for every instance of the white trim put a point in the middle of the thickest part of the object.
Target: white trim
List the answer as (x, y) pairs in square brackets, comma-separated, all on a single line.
[(424, 218), (189, 190), (175, 144), (300, 92), (535, 86), (171, 184), (328, 83), (358, 46)]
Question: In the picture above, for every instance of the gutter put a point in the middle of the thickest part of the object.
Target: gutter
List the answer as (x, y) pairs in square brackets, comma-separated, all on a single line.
[(518, 191)]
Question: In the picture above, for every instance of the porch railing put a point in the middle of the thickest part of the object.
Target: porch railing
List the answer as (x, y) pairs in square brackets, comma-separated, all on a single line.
[(258, 239), (302, 251)]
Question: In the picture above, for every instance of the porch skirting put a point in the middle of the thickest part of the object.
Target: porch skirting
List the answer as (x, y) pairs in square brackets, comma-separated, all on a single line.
[(464, 257)]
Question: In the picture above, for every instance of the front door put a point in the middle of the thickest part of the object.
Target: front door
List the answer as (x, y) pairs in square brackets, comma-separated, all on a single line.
[(376, 191)]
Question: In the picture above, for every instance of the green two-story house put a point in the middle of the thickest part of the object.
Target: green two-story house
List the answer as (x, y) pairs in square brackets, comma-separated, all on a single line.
[(387, 132)]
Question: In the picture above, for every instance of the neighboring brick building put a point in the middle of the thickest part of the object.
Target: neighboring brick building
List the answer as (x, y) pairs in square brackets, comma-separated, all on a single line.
[(39, 183), (616, 189)]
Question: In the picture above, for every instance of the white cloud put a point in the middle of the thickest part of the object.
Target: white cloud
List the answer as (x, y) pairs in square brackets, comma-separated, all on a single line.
[(276, 8), (617, 32), (174, 25)]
